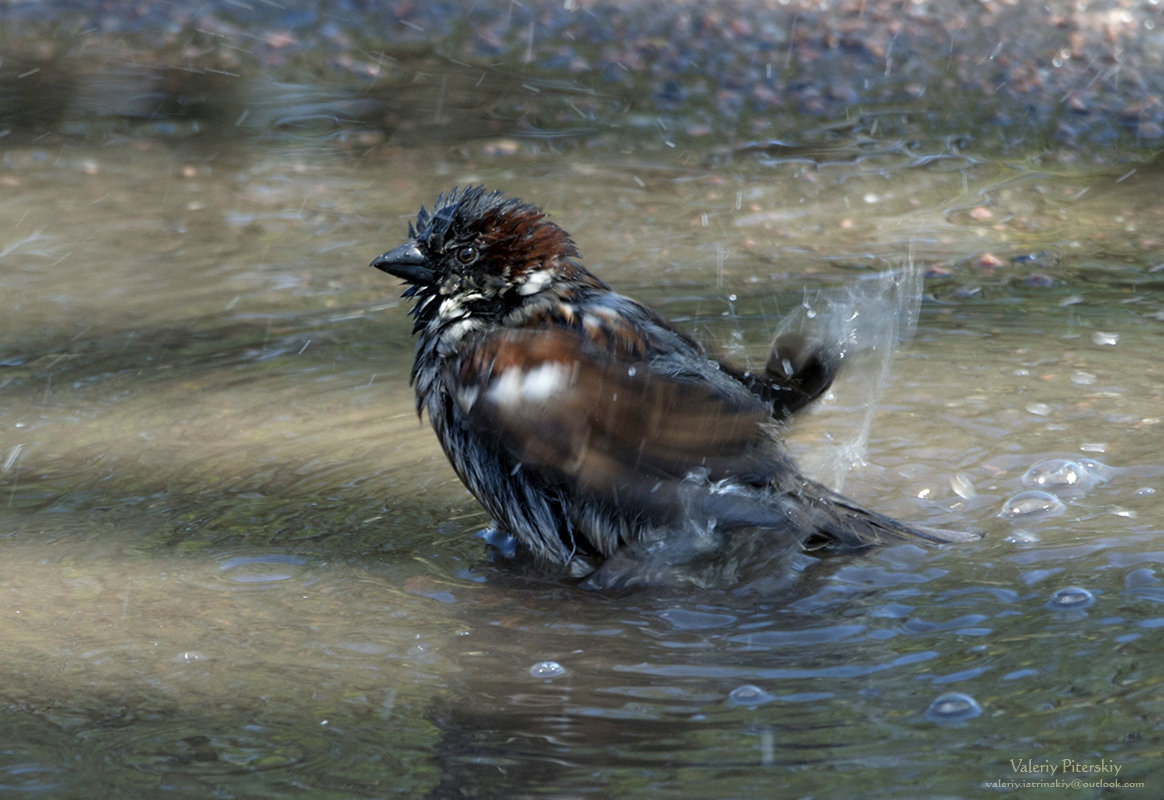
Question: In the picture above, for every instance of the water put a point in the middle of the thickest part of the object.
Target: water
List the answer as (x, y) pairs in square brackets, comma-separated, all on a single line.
[(235, 563)]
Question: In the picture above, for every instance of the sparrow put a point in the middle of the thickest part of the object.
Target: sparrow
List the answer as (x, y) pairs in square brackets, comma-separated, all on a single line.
[(608, 443)]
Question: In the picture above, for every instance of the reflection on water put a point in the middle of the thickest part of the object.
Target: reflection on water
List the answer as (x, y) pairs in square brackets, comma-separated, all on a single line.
[(236, 563)]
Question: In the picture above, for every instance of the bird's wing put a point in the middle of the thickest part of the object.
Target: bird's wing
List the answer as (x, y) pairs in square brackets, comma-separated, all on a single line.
[(546, 397)]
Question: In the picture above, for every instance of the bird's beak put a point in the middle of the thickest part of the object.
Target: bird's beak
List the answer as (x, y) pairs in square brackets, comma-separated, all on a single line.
[(407, 262)]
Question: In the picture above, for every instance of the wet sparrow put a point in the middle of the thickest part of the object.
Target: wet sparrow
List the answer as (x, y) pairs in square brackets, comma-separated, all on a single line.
[(606, 441)]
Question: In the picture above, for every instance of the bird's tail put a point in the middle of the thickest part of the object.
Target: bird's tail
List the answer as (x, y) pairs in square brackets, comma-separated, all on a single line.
[(834, 522), (815, 515)]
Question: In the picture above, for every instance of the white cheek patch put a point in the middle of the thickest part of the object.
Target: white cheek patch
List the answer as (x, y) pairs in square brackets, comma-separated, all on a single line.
[(451, 335), (449, 308), (453, 307), (537, 385), (535, 282)]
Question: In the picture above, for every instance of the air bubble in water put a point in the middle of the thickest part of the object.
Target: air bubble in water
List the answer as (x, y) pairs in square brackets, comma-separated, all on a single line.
[(1054, 472), (1022, 537), (963, 486), (748, 695), (547, 669), (1032, 504), (1071, 598), (953, 707)]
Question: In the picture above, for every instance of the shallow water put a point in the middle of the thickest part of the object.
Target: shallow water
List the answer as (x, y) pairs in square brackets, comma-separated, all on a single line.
[(236, 563)]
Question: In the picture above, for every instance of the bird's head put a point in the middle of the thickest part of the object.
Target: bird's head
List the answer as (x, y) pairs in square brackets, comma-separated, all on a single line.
[(480, 255)]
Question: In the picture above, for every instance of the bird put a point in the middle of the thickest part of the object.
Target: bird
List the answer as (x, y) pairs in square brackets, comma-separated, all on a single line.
[(613, 447)]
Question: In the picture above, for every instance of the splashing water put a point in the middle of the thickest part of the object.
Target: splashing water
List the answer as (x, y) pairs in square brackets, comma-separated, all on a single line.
[(865, 321)]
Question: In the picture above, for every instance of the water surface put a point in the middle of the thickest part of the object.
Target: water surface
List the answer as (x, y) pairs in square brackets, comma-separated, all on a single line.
[(235, 562)]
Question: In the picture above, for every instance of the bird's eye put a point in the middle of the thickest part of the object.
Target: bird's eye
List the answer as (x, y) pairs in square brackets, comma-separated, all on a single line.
[(467, 254)]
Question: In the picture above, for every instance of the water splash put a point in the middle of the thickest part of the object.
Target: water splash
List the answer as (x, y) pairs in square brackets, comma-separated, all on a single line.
[(865, 321)]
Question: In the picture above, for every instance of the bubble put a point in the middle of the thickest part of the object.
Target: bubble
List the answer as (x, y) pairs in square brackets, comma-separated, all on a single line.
[(1032, 503), (1055, 472), (748, 695), (547, 669), (963, 486), (953, 707), (1022, 537), (1070, 598), (1104, 339)]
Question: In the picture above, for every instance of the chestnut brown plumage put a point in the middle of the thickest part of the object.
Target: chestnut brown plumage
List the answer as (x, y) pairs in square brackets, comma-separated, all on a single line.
[(604, 440)]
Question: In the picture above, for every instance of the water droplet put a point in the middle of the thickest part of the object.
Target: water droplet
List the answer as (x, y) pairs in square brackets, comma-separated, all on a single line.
[(1071, 598), (953, 707), (547, 669), (1031, 504), (1144, 491), (748, 695)]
